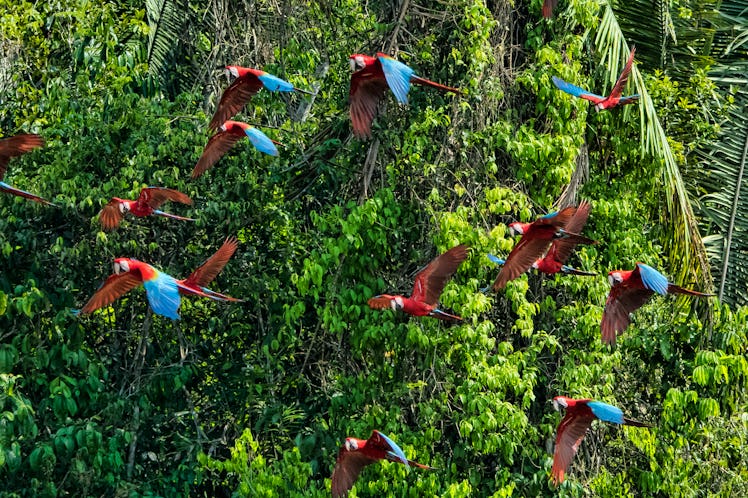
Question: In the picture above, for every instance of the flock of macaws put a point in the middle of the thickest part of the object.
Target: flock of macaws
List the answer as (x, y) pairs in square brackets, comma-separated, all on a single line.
[(545, 245)]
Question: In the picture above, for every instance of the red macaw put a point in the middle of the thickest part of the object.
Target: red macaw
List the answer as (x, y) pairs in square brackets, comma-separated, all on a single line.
[(13, 147), (579, 416), (430, 282), (371, 76), (147, 203), (548, 6), (561, 249), (160, 288), (612, 100), (536, 237), (355, 454), (230, 133), (247, 83), (207, 272), (629, 290)]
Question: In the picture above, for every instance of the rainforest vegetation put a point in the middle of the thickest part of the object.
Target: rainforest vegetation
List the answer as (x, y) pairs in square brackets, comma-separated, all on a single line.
[(254, 399)]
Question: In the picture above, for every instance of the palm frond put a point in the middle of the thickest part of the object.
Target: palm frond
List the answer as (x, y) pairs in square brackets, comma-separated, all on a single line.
[(684, 245), (167, 20)]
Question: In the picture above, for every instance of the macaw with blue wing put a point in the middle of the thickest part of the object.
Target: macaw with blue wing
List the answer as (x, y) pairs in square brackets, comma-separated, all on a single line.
[(230, 133), (247, 83), (612, 100), (14, 147), (536, 238), (355, 454), (629, 291), (579, 416), (371, 77), (161, 289)]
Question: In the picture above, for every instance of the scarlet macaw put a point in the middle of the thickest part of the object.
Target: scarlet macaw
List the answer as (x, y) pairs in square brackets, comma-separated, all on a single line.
[(247, 83), (629, 291), (550, 270), (161, 289), (13, 147), (612, 100), (207, 272), (579, 416), (430, 282), (371, 76), (147, 203), (355, 454), (536, 237), (230, 133)]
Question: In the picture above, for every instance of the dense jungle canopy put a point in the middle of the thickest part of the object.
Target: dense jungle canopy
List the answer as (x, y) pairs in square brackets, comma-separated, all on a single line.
[(255, 398)]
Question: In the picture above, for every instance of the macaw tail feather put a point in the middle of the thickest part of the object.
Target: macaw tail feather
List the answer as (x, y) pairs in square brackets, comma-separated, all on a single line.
[(635, 423), (217, 296), (441, 315), (423, 81), (173, 216), (568, 270), (307, 92), (675, 289), (420, 465)]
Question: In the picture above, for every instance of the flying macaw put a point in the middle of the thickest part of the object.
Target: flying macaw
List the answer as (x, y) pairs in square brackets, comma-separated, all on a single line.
[(150, 199), (430, 282), (13, 147), (612, 100), (540, 265), (207, 272), (355, 454), (371, 76), (536, 237), (230, 133), (629, 290), (548, 6), (579, 416), (161, 289), (247, 83)]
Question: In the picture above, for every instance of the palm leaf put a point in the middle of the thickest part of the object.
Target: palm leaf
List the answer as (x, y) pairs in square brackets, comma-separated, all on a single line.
[(168, 44), (684, 245)]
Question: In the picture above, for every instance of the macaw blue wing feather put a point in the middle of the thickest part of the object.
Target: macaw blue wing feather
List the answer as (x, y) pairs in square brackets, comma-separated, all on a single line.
[(549, 215), (496, 260), (653, 280), (396, 454), (575, 90), (163, 295), (275, 84), (261, 141), (606, 412), (397, 75)]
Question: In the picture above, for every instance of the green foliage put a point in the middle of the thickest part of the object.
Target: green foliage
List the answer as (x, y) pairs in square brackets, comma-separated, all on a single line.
[(255, 398)]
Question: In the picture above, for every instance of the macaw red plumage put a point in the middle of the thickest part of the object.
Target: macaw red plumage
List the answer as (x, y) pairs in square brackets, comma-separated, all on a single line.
[(230, 133), (561, 249), (579, 416), (536, 237), (612, 100), (629, 290), (371, 77), (14, 147), (247, 83), (355, 454), (147, 203), (428, 286), (207, 272), (161, 289)]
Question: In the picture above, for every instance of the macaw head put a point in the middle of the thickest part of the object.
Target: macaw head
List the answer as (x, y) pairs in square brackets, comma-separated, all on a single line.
[(121, 265), (397, 303), (615, 277), (124, 206), (350, 444), (231, 71), (357, 62), (516, 228), (560, 402)]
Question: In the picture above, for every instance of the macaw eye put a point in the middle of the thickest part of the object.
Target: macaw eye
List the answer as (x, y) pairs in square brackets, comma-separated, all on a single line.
[(614, 278), (350, 445), (121, 267), (123, 207)]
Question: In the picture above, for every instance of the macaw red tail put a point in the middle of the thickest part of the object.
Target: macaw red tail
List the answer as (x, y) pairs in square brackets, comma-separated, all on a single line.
[(635, 423), (173, 216), (420, 465), (675, 289), (423, 81), (441, 315)]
